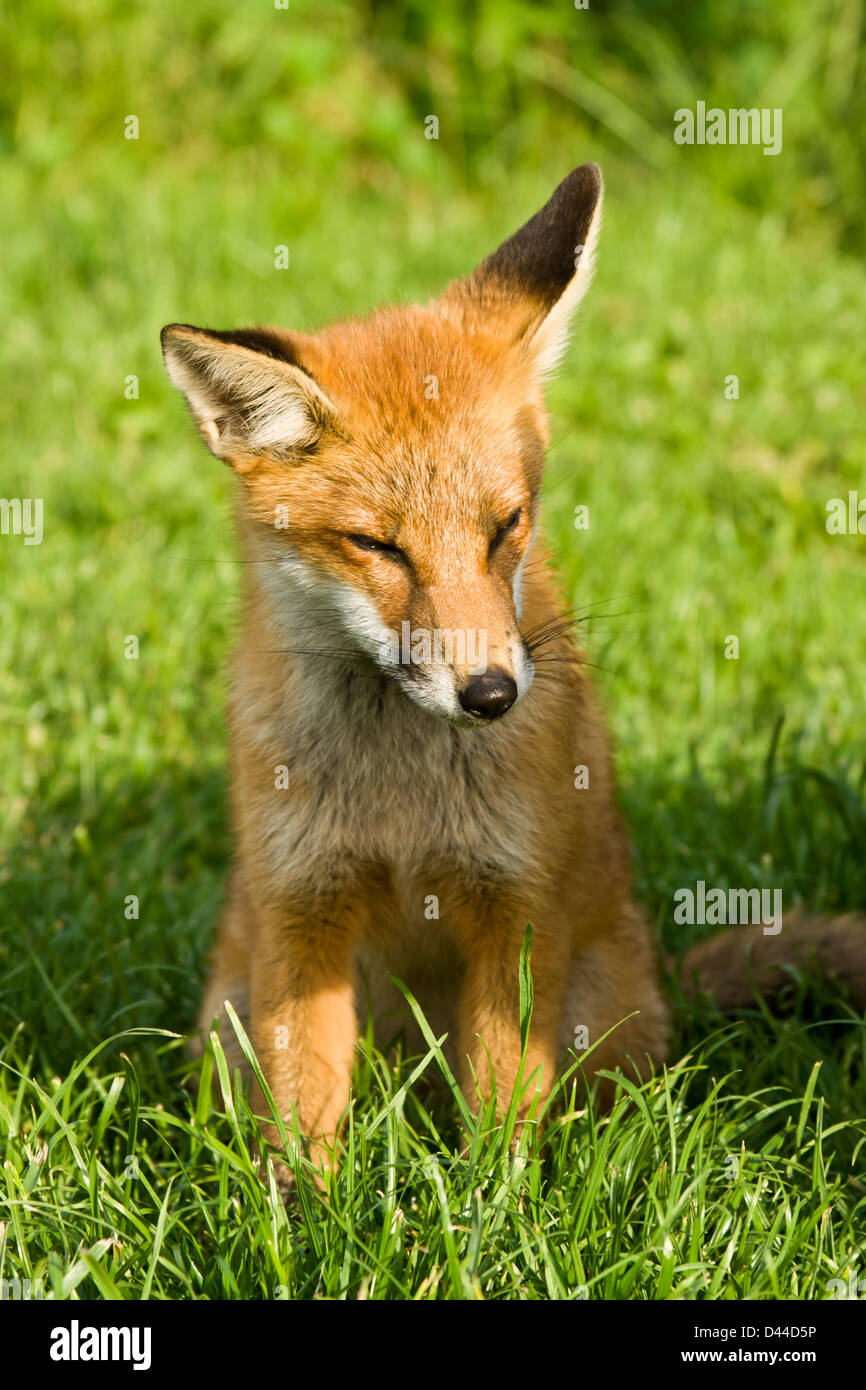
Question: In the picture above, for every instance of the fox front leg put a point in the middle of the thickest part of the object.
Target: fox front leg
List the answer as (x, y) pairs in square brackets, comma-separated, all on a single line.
[(489, 1017), (302, 1002)]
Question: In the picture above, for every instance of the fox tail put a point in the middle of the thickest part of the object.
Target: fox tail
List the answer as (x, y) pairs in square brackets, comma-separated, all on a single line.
[(731, 966)]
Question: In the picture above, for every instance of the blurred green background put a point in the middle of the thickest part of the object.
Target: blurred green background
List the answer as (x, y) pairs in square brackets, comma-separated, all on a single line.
[(304, 127)]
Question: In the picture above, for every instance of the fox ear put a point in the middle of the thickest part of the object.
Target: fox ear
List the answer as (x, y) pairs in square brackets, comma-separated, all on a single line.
[(532, 284), (246, 392)]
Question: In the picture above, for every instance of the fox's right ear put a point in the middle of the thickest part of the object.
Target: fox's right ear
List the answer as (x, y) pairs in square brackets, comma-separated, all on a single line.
[(246, 393)]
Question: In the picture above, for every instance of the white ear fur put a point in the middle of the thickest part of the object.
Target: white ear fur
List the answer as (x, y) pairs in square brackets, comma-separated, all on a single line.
[(548, 343), (242, 401)]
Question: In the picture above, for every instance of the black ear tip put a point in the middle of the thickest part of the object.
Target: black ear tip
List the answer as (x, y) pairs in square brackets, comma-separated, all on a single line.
[(178, 337), (586, 180), (172, 329), (573, 204)]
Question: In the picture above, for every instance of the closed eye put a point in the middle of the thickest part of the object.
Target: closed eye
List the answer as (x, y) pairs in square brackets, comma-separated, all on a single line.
[(505, 528), (369, 543)]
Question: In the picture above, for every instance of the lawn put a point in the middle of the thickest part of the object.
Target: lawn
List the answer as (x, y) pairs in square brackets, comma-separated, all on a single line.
[(740, 1173)]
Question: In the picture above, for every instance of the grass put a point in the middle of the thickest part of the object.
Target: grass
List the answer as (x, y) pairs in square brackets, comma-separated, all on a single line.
[(128, 1167)]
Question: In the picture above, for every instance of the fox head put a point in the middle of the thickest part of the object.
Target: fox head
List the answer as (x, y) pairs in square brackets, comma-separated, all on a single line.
[(391, 466)]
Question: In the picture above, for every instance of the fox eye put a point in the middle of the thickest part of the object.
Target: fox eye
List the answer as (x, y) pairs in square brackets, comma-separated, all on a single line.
[(378, 547), (506, 526)]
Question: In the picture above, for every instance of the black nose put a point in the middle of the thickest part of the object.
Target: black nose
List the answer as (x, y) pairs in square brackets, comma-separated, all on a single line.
[(489, 695)]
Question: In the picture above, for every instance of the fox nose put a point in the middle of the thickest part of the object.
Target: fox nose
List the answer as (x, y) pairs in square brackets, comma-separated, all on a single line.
[(488, 696)]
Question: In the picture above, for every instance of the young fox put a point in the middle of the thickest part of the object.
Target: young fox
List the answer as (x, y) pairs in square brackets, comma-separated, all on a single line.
[(409, 705)]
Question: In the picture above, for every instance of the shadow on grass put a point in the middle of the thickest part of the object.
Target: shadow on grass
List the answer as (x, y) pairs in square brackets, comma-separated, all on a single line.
[(106, 923), (78, 965)]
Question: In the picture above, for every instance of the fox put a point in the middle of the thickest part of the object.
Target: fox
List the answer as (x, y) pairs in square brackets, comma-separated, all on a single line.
[(403, 806)]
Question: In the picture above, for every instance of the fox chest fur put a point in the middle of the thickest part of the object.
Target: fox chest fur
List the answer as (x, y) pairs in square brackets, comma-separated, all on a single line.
[(337, 773)]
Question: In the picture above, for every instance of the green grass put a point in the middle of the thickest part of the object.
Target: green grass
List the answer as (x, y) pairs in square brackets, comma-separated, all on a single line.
[(706, 519)]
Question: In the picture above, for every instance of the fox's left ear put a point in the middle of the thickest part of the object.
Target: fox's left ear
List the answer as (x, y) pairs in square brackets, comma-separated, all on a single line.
[(531, 286)]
